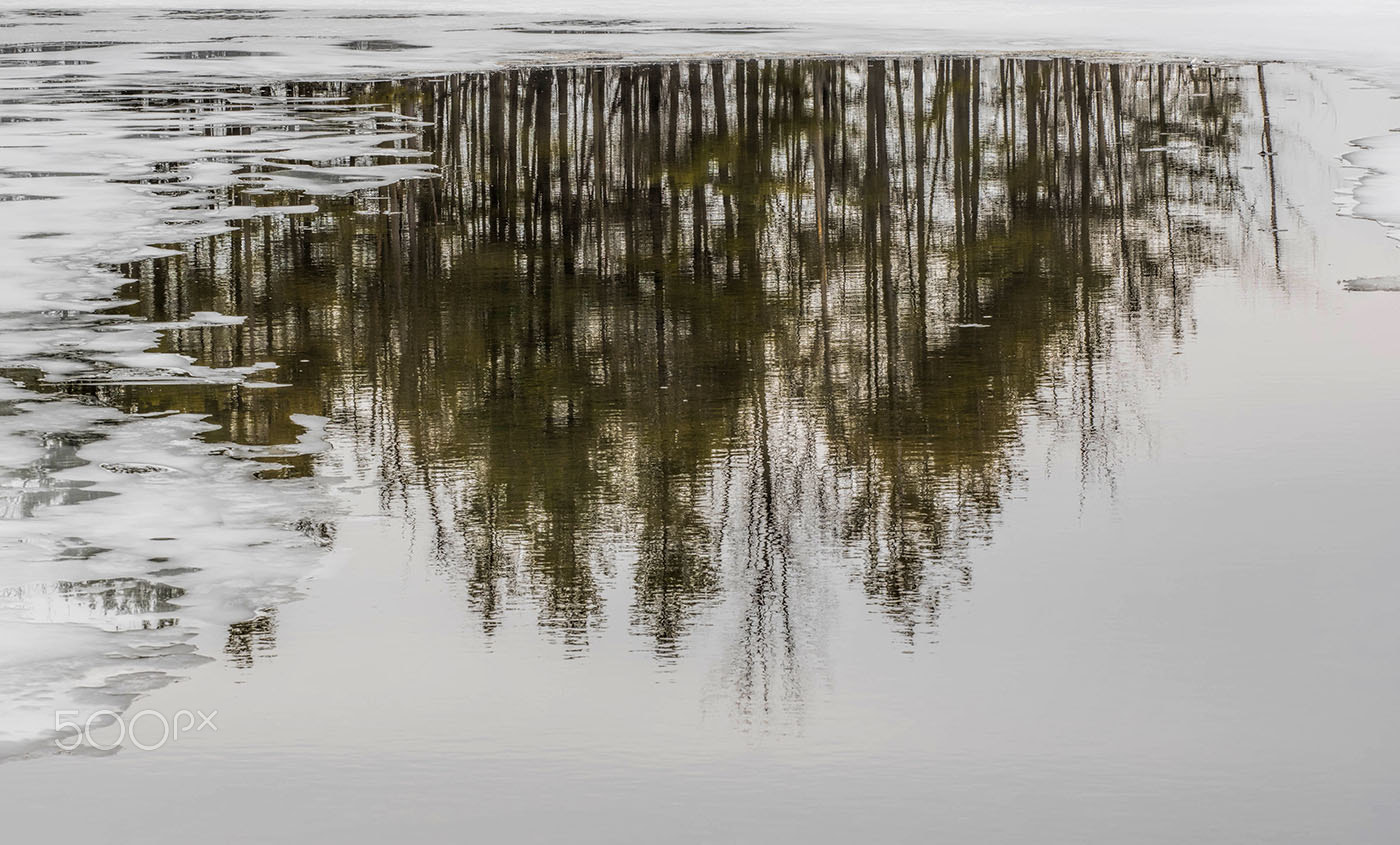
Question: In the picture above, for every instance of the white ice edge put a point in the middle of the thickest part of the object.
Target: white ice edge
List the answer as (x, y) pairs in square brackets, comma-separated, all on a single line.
[(314, 39), (178, 531)]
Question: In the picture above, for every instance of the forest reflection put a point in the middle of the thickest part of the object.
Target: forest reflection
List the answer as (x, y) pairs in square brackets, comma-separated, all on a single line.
[(717, 331)]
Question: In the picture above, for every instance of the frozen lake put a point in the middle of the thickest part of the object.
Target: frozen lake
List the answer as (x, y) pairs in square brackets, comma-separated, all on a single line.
[(529, 426)]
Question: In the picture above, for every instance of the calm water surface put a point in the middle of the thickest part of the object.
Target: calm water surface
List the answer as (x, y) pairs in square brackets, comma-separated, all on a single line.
[(752, 450)]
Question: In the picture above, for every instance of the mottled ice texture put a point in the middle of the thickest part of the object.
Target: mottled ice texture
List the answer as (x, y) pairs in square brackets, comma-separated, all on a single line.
[(127, 548), (242, 39), (127, 545)]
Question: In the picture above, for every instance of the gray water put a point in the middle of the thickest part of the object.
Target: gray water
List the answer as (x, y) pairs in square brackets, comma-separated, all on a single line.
[(739, 450)]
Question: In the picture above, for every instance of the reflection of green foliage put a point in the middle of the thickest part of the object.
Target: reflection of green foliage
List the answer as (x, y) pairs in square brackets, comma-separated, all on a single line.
[(585, 346)]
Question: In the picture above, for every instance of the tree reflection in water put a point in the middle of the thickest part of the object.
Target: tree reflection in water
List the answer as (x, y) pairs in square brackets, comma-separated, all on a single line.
[(724, 329)]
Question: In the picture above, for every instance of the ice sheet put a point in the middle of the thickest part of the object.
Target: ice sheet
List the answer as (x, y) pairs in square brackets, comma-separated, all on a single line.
[(243, 39), (127, 548)]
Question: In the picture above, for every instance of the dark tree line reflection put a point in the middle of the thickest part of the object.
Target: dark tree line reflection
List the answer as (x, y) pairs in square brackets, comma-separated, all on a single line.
[(723, 329)]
